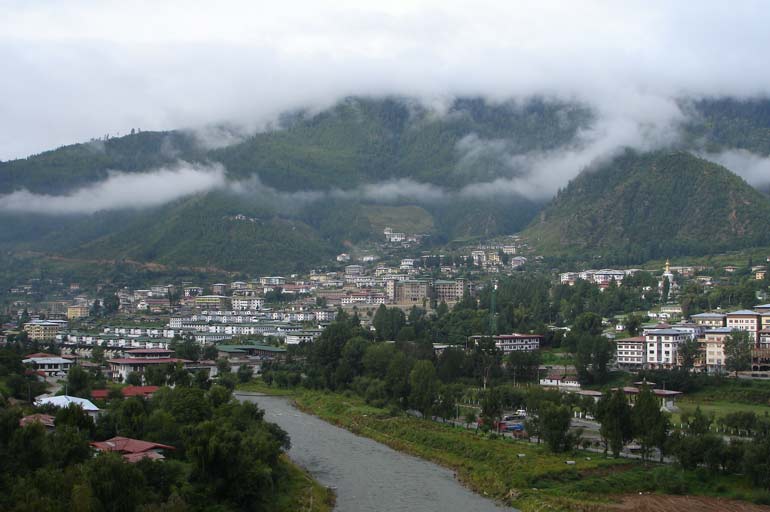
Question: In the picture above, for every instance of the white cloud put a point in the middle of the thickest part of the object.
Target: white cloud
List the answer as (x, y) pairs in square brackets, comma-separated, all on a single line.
[(753, 168), (122, 191), (75, 70)]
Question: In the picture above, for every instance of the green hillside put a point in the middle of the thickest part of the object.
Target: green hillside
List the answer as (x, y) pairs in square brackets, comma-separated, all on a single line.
[(642, 206), (367, 141)]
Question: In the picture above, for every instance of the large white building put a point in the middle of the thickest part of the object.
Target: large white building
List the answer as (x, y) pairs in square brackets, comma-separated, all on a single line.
[(515, 342), (662, 347)]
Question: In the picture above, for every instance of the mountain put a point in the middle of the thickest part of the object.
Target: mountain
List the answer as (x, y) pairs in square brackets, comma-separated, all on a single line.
[(642, 206), (318, 183)]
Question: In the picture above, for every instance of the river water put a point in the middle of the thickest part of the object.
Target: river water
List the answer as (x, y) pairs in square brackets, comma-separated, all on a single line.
[(367, 475)]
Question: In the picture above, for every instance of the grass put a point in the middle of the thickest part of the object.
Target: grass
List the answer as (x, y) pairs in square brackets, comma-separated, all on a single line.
[(720, 408), (408, 219), (540, 480), (259, 386), (299, 492)]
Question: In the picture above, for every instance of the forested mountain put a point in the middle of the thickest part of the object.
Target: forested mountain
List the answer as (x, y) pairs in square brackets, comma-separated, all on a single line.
[(299, 185), (642, 206)]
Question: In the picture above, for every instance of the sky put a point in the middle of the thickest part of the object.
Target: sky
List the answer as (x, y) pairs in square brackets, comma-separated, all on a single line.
[(78, 70)]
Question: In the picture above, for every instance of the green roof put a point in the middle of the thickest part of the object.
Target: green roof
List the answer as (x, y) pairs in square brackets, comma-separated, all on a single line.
[(243, 348)]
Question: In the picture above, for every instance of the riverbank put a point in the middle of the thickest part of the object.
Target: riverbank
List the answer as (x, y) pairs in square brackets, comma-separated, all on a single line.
[(298, 491), (518, 473)]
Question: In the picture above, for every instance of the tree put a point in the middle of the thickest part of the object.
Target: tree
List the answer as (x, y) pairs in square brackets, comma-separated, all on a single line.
[(614, 414), (650, 424), (633, 324), (738, 351), (689, 351), (134, 379), (244, 373), (554, 425), (492, 406), (111, 304), (424, 387), (524, 365), (589, 323), (666, 289), (78, 382)]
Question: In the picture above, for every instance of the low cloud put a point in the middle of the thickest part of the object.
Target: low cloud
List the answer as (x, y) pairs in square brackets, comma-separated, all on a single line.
[(122, 191), (753, 168)]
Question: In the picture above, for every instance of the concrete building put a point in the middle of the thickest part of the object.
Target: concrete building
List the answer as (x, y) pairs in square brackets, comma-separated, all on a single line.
[(630, 353), (515, 342), (412, 291), (78, 311), (662, 346), (44, 330), (213, 302), (745, 320), (709, 319)]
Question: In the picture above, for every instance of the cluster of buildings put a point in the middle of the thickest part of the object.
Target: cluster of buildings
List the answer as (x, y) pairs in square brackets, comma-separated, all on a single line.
[(658, 346)]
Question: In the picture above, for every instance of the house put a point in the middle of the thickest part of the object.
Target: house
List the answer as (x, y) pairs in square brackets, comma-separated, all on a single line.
[(62, 401), (254, 350), (560, 381), (50, 365), (307, 336), (132, 450)]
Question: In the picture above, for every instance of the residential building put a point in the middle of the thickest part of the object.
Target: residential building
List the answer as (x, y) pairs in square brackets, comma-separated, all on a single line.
[(218, 289), (561, 380), (62, 401), (137, 360), (630, 353), (272, 280), (244, 303), (307, 336), (745, 320), (661, 347)]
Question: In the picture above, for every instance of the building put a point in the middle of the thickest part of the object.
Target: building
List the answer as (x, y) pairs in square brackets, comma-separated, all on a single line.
[(132, 450), (411, 291), (307, 336), (48, 421), (709, 319), (62, 401), (44, 330), (137, 360), (449, 291), (241, 303), (630, 353), (713, 347), (745, 320), (76, 312), (272, 281), (662, 347), (218, 289), (561, 380), (515, 342), (50, 365), (250, 350), (213, 302)]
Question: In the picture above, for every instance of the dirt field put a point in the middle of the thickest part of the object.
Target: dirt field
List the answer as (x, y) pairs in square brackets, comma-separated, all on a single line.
[(658, 503)]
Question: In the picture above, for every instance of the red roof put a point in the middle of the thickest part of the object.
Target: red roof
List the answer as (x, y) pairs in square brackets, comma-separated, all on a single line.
[(128, 445), (46, 419), (149, 351), (40, 354), (128, 391)]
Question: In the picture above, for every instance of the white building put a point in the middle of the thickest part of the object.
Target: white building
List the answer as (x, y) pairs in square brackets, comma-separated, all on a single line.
[(662, 346)]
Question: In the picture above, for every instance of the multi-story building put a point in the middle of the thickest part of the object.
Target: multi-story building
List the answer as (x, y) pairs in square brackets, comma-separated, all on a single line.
[(745, 320), (138, 360), (515, 342), (630, 353), (218, 289), (662, 346), (713, 347), (307, 336), (244, 303), (78, 311), (44, 330), (272, 280), (215, 302), (412, 291), (449, 291)]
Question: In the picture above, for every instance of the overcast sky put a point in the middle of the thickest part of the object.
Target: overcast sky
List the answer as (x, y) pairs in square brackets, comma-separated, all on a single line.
[(75, 70)]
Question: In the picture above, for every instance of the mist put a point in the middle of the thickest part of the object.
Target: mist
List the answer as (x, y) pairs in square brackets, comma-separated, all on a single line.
[(91, 69), (753, 168), (121, 191)]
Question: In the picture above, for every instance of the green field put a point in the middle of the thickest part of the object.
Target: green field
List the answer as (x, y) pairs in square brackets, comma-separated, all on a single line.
[(301, 492)]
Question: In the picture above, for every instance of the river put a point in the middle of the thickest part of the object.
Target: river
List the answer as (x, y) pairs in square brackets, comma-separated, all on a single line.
[(367, 475)]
